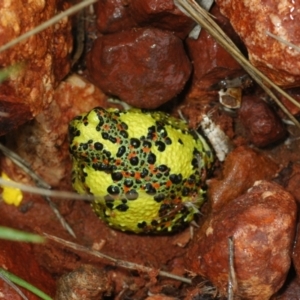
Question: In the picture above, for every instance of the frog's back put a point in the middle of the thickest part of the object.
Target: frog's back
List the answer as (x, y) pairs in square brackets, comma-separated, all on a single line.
[(145, 166)]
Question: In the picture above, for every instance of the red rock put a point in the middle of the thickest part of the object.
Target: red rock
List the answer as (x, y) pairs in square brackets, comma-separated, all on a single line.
[(292, 181), (262, 123), (251, 20), (294, 93), (144, 67), (161, 14), (113, 16), (294, 188), (211, 62), (262, 223), (16, 113), (44, 57), (74, 96), (243, 166), (291, 291), (19, 259)]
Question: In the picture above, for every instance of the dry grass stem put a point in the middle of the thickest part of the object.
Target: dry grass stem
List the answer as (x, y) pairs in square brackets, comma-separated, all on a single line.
[(283, 41), (232, 282), (44, 189), (45, 192), (24, 165), (117, 262), (13, 286), (202, 17), (48, 23)]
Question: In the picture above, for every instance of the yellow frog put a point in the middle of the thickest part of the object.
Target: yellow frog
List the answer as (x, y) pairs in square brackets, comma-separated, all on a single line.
[(146, 168)]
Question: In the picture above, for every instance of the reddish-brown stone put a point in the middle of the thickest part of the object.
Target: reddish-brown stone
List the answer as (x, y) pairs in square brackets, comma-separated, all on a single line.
[(291, 291), (44, 58), (163, 15), (261, 121), (113, 16), (294, 93), (292, 180), (144, 67), (262, 224), (252, 19), (243, 166), (19, 259), (73, 96), (296, 255), (16, 112), (211, 62), (293, 186)]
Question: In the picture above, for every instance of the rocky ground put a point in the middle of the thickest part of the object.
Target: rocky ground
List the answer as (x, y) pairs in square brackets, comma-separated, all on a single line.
[(140, 52)]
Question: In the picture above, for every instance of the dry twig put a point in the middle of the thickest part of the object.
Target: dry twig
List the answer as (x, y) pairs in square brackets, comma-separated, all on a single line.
[(117, 262)]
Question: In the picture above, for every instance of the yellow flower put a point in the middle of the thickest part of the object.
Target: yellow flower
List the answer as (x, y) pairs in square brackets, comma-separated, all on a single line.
[(11, 195)]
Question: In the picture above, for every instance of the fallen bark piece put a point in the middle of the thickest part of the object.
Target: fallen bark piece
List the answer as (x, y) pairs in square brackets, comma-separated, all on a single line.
[(243, 166), (145, 67), (262, 224), (86, 282), (261, 122)]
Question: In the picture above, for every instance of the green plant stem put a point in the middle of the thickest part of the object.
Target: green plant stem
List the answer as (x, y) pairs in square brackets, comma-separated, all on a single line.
[(13, 286), (6, 72), (19, 281), (20, 236)]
